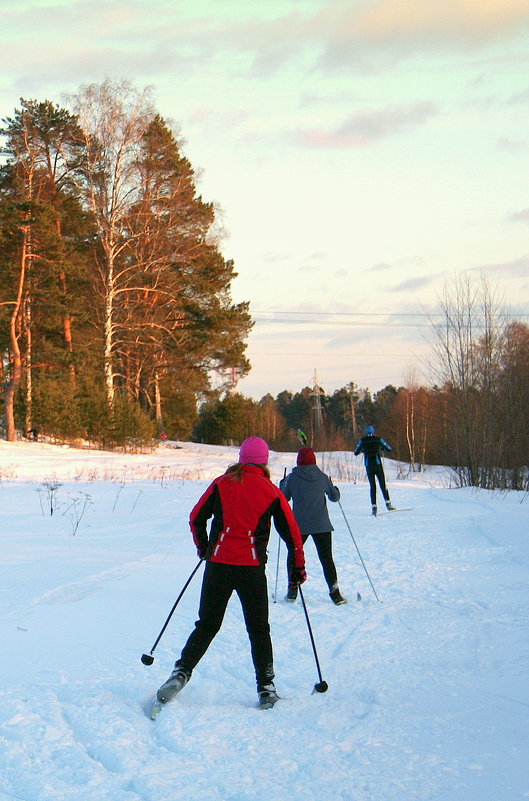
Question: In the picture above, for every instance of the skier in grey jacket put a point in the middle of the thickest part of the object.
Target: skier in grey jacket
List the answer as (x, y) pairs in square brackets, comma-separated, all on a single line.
[(308, 487)]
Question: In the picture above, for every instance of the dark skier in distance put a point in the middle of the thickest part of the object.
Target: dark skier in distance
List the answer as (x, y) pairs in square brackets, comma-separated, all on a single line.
[(372, 447)]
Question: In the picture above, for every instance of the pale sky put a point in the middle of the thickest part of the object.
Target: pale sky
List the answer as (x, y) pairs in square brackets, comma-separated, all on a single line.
[(363, 153)]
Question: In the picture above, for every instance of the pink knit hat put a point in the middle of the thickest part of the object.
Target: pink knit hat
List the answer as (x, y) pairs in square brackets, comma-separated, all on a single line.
[(254, 450)]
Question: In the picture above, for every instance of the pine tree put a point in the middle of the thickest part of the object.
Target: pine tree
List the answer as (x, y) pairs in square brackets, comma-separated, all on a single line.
[(42, 149), (180, 324)]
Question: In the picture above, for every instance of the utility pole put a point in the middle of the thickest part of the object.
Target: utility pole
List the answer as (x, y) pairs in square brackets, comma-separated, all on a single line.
[(316, 393), (353, 413)]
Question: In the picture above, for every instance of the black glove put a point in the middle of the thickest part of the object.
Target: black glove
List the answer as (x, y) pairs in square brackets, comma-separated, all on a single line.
[(201, 552), (298, 575)]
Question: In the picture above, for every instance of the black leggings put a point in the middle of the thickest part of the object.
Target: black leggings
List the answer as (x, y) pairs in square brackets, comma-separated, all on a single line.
[(219, 582), (377, 472), (323, 543)]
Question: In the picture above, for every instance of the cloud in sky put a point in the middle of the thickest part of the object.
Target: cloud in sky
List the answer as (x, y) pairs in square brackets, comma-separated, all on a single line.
[(518, 268), (80, 38), (151, 35), (519, 98), (413, 284), (519, 216), (365, 127), (343, 35), (476, 19), (510, 145), (379, 267)]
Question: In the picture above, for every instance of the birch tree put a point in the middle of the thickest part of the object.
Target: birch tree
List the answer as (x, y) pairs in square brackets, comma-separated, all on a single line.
[(113, 117)]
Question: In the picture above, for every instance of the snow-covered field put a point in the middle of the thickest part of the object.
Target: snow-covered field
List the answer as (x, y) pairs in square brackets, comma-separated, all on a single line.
[(428, 694)]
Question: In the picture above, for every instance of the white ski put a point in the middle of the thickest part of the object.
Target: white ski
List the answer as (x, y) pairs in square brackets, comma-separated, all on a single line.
[(390, 511)]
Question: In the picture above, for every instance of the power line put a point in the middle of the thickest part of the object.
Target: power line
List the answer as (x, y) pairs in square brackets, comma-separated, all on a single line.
[(327, 319), (344, 323), (426, 315), (371, 314), (327, 354), (350, 314)]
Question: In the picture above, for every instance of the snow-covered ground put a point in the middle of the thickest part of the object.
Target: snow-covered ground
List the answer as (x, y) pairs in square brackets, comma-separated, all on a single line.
[(428, 694)]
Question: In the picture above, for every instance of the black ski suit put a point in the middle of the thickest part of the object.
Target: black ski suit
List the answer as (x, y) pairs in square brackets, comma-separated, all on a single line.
[(372, 447)]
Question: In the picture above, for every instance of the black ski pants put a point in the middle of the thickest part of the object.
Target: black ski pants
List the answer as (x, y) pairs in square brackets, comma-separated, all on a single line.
[(373, 473), (323, 543), (218, 584)]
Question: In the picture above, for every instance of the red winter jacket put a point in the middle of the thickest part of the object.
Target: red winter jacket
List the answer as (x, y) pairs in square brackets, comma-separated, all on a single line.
[(242, 512)]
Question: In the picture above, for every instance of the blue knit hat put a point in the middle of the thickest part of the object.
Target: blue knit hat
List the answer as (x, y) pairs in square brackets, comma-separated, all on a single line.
[(370, 430)]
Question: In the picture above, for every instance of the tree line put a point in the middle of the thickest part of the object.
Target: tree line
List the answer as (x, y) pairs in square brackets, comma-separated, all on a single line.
[(473, 418), (115, 306)]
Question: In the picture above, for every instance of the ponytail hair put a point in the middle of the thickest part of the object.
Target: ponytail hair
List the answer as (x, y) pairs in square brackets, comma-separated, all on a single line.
[(235, 471)]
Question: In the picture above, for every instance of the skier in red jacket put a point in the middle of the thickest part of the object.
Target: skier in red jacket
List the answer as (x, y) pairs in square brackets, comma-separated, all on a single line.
[(242, 502)]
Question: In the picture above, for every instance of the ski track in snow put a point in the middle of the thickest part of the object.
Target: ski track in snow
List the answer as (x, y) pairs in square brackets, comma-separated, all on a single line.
[(428, 696)]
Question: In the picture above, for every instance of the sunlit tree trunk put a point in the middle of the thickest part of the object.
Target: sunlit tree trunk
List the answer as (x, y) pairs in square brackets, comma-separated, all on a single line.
[(28, 362), (15, 329), (158, 404)]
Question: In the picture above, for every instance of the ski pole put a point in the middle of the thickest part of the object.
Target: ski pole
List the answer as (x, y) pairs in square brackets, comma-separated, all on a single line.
[(320, 686), (359, 554), (277, 565), (148, 659), (278, 550)]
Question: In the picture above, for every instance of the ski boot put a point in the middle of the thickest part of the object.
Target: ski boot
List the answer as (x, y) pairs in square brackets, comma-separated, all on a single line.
[(267, 696), (374, 510), (292, 593), (336, 596), (176, 682), (389, 506)]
